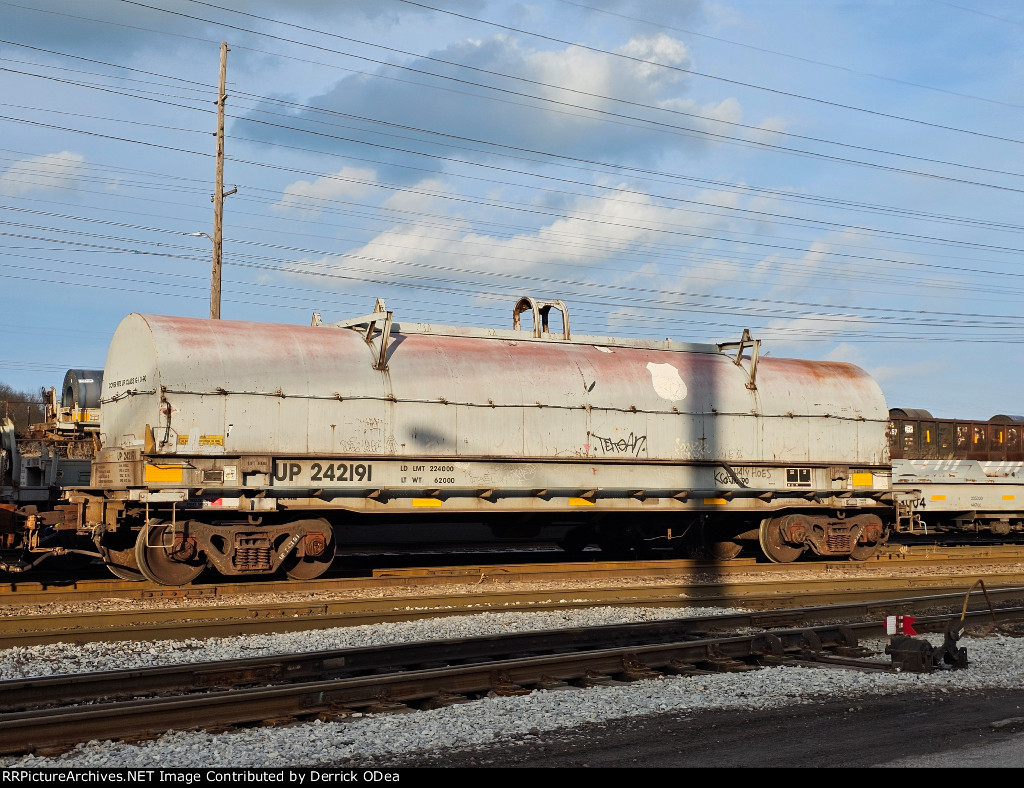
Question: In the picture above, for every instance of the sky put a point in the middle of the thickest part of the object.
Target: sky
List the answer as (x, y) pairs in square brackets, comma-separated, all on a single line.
[(843, 179)]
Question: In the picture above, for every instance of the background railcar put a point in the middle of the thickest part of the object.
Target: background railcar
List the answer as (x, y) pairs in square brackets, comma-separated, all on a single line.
[(38, 463), (970, 474), (916, 435)]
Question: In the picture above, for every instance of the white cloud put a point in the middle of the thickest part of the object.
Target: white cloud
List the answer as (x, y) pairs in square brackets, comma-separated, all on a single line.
[(576, 68), (619, 236), (571, 80), (826, 257), (845, 352), (427, 195), (908, 373), (795, 335), (52, 172), (658, 51), (307, 196)]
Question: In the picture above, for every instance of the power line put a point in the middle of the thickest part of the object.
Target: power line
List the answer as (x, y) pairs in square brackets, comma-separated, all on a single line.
[(673, 68), (799, 58)]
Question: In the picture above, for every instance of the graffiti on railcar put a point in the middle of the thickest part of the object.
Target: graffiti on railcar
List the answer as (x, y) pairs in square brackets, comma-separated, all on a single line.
[(634, 445)]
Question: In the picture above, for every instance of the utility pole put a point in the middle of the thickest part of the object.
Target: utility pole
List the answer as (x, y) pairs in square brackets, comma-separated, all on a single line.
[(219, 194)]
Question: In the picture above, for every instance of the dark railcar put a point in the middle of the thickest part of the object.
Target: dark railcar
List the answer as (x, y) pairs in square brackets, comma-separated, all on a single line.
[(916, 435)]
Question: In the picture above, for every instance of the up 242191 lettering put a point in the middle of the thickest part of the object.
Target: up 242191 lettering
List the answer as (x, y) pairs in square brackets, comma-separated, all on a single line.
[(318, 472)]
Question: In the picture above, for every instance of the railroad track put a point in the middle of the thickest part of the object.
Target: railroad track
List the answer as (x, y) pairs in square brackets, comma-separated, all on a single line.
[(18, 591), (207, 611), (334, 685), (269, 617)]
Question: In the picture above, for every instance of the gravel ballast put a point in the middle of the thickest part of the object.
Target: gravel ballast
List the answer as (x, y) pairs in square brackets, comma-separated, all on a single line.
[(995, 662)]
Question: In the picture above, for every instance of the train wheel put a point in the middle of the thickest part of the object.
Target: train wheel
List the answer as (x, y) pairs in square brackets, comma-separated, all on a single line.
[(704, 544), (166, 560), (863, 552), (708, 550), (774, 546), (873, 534), (722, 551), (319, 548), (122, 563)]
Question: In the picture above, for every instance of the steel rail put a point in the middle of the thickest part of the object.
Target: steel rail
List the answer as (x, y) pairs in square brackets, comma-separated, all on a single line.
[(231, 620), (23, 591)]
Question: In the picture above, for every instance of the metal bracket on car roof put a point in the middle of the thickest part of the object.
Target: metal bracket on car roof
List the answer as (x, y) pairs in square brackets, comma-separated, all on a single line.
[(369, 322), (540, 310), (745, 341)]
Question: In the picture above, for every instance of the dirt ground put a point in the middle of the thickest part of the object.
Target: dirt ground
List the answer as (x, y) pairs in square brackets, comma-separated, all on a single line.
[(865, 732)]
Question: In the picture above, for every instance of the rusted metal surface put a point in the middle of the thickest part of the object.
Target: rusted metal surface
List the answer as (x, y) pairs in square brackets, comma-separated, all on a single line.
[(253, 388)]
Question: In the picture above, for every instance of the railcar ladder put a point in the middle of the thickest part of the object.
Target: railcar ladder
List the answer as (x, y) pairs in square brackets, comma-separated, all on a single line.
[(908, 518)]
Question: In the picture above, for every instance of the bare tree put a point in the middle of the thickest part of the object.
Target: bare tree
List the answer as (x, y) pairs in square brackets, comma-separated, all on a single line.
[(22, 407)]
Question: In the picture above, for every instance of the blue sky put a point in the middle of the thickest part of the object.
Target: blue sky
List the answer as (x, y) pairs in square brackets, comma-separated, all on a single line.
[(844, 179)]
